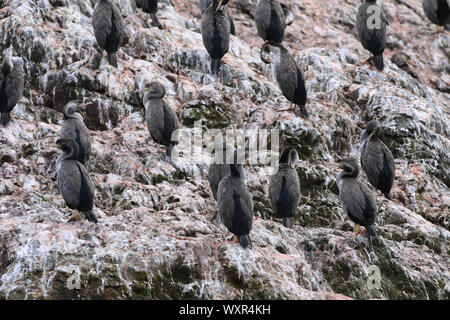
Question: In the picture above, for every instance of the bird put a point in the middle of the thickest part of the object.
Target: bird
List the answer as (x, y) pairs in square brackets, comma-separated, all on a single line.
[(74, 182), (235, 205), (108, 28), (377, 160), (358, 202), (74, 128), (162, 122), (284, 187), (270, 20), (216, 29), (12, 79), (438, 11), (287, 75), (220, 165), (150, 7), (204, 4), (371, 29)]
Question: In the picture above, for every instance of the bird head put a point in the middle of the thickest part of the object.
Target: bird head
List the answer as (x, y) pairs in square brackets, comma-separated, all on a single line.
[(155, 90), (71, 110), (221, 3), (289, 156), (349, 165), (268, 51), (67, 145), (373, 128)]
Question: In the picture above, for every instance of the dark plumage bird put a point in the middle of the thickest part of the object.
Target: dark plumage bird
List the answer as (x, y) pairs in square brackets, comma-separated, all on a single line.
[(74, 181), (371, 30), (287, 75), (284, 187), (151, 7), (270, 20), (235, 205), (220, 165), (12, 79), (216, 29), (161, 120), (377, 160), (108, 28), (359, 203), (204, 4), (438, 11), (74, 128)]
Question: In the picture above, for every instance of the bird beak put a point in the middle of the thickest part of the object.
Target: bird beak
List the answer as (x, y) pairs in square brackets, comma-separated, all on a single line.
[(370, 136), (220, 4)]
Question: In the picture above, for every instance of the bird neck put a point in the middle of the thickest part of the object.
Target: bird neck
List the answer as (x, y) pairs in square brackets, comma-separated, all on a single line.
[(350, 172), (236, 170)]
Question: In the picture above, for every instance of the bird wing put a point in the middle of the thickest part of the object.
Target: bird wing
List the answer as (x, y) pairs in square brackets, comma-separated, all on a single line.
[(372, 160), (358, 201), (118, 21), (246, 203), (102, 23), (69, 182), (225, 202), (155, 119), (262, 17), (13, 86), (171, 124), (5, 69), (216, 172), (287, 75), (275, 184), (293, 185), (87, 176), (388, 171)]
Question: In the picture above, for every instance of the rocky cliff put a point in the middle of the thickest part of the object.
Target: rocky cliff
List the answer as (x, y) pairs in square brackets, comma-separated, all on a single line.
[(158, 236)]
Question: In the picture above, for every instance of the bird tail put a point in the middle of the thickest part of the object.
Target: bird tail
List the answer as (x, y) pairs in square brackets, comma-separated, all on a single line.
[(371, 231), (303, 111), (388, 196), (112, 59), (5, 117), (215, 66), (288, 222), (245, 241), (155, 21), (91, 216), (379, 63)]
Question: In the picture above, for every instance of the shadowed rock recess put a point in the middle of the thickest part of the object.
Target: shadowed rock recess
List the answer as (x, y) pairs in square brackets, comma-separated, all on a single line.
[(157, 237)]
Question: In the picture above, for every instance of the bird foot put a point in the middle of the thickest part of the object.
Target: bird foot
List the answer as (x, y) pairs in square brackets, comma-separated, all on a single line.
[(235, 239), (359, 231), (76, 216), (367, 61)]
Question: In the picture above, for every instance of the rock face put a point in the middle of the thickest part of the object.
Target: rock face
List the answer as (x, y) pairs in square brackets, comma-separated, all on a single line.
[(157, 237)]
